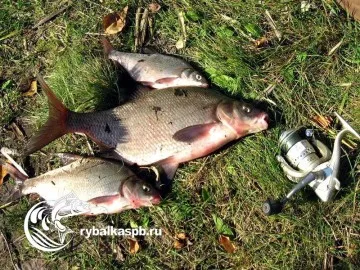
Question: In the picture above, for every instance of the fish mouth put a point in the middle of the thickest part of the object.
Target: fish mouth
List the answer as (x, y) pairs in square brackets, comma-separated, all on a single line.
[(204, 85), (156, 199), (261, 123)]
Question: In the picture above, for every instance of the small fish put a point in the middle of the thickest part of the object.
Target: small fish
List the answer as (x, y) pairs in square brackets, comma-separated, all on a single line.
[(105, 186), (156, 70), (164, 127)]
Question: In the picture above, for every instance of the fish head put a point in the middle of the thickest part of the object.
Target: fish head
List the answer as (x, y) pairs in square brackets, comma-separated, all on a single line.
[(140, 193), (191, 77), (243, 118)]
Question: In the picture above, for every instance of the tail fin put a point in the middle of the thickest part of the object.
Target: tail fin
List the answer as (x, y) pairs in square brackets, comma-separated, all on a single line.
[(56, 125), (18, 176), (107, 46)]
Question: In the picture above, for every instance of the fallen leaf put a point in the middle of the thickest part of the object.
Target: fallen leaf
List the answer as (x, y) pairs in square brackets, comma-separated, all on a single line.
[(115, 22), (226, 244), (32, 90), (134, 246), (261, 42), (323, 121), (178, 244), (181, 236), (154, 7), (3, 173)]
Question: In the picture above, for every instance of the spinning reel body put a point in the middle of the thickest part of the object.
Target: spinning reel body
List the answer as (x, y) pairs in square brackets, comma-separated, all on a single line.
[(307, 161)]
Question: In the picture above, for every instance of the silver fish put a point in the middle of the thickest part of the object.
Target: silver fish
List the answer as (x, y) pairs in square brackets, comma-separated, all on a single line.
[(165, 127), (105, 186), (156, 70)]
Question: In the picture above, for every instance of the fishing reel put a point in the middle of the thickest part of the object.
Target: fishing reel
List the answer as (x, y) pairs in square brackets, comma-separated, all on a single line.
[(307, 161)]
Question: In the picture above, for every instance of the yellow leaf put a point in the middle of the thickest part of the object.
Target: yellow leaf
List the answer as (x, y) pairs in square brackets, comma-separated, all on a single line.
[(181, 236), (154, 7), (134, 246), (115, 22), (261, 42), (32, 90), (226, 244), (178, 244)]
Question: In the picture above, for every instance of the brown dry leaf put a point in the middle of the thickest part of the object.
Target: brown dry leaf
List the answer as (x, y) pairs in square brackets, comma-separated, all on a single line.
[(115, 22), (181, 236), (261, 42), (32, 90), (134, 246), (154, 7), (3, 173), (226, 244), (178, 244), (322, 121)]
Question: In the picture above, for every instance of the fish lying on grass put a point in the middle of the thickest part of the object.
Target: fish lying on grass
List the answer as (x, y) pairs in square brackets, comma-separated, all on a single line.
[(156, 70), (106, 186), (164, 127)]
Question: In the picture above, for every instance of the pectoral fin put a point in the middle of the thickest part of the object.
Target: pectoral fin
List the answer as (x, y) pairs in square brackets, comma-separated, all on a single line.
[(193, 133), (166, 80)]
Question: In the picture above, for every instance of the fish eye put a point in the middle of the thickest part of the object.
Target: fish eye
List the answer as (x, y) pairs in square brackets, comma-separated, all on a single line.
[(246, 109), (198, 77), (146, 188)]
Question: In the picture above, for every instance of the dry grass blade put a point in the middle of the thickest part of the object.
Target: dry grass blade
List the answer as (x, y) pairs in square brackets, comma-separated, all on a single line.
[(143, 26), (137, 27), (181, 43), (273, 25)]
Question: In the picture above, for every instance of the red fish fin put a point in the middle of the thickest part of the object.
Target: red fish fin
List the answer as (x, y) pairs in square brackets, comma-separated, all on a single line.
[(56, 125), (17, 175), (166, 80), (104, 200), (103, 205), (193, 133), (107, 46), (13, 172)]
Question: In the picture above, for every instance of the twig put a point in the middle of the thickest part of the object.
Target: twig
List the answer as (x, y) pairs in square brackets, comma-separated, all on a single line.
[(137, 26), (335, 48), (8, 248), (143, 26), (273, 25), (51, 16)]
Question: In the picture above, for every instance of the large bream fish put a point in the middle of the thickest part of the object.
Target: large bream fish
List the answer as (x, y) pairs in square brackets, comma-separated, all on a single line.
[(156, 70), (105, 186), (164, 127)]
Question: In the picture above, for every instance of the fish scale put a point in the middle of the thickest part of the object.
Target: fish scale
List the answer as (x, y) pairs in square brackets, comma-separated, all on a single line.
[(162, 114), (101, 178)]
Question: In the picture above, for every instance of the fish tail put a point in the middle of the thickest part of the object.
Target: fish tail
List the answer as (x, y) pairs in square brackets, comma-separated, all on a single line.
[(56, 125), (18, 176), (108, 48)]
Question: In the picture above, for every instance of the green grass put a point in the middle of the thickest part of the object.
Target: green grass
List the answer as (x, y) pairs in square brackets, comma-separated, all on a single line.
[(228, 186)]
